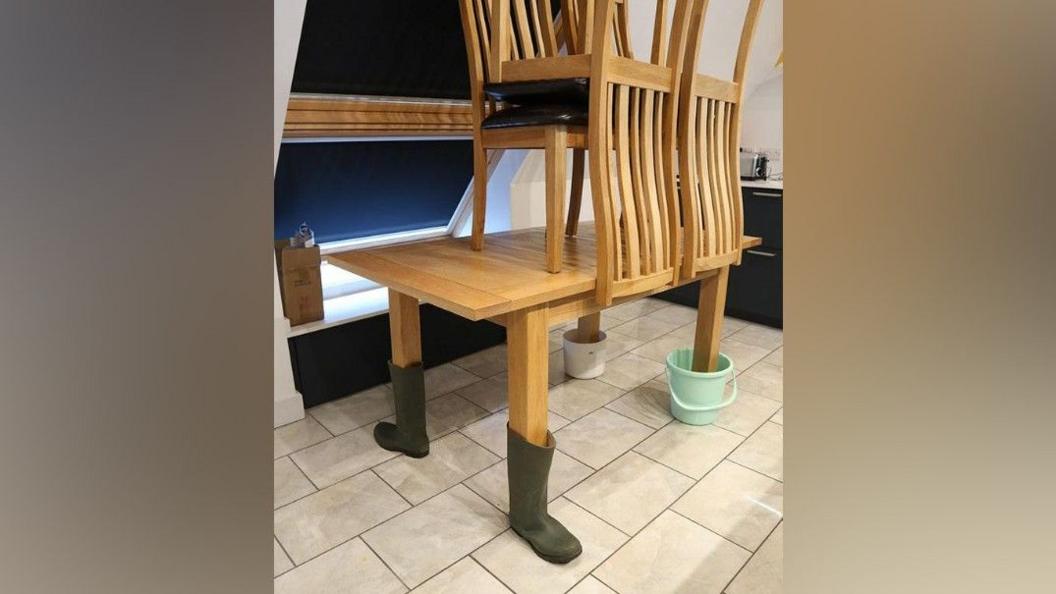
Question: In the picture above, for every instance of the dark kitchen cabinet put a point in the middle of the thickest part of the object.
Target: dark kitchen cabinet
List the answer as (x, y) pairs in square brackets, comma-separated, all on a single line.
[(754, 291)]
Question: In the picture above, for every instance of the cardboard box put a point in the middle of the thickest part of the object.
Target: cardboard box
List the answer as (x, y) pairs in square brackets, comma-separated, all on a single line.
[(300, 283)]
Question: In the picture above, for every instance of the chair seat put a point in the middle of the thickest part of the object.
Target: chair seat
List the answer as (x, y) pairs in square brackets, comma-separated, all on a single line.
[(566, 91), (537, 115)]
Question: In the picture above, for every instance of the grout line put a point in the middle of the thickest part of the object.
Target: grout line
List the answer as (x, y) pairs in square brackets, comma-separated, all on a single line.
[(385, 563), (691, 520), (284, 552), (754, 470), (749, 559), (308, 412), (393, 487), (298, 466)]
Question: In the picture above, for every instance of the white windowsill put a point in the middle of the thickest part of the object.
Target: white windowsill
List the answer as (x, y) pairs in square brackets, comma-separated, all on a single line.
[(347, 308)]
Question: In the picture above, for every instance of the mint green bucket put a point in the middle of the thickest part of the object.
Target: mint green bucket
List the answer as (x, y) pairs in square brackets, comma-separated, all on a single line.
[(697, 396)]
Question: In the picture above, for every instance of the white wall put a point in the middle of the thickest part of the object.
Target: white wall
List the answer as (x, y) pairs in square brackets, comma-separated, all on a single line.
[(762, 120), (289, 16)]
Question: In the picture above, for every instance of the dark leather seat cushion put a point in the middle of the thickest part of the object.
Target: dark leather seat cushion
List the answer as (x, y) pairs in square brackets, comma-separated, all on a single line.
[(537, 115), (567, 91)]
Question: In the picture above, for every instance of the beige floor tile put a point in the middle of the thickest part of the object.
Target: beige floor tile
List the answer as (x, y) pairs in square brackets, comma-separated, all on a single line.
[(763, 451), (779, 417), (673, 555), (735, 502), (493, 483), (577, 397), (464, 577), (635, 309), (764, 379), (746, 413), (426, 539), (674, 314), (449, 412), (485, 363), (618, 344), (591, 585), (299, 435), (743, 355), (649, 404), (290, 482), (446, 378), (282, 563), (690, 449), (490, 431), (630, 371), (762, 336), (318, 522), (341, 457), (600, 437), (764, 572), (658, 349), (357, 410), (630, 492), (644, 328), (351, 567), (490, 394), (451, 459), (776, 358), (511, 559), (732, 325)]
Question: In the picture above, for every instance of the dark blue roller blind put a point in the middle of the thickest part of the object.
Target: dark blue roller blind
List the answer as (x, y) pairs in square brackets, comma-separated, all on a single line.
[(406, 48), (345, 190)]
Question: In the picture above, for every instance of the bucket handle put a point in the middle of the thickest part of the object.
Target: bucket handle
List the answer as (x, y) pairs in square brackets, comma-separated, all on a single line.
[(723, 404)]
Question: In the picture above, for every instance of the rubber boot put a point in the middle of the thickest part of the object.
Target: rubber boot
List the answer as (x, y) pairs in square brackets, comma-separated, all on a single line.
[(529, 470), (408, 434)]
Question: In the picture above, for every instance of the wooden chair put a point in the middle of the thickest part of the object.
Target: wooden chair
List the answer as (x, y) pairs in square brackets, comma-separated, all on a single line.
[(577, 35), (709, 137), (633, 114), (529, 34)]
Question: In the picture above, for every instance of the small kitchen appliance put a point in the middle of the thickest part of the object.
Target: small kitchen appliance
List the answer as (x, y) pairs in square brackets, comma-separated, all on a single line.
[(753, 165)]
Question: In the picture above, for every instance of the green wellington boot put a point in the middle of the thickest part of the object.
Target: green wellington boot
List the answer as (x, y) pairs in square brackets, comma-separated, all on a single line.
[(408, 434), (529, 469)]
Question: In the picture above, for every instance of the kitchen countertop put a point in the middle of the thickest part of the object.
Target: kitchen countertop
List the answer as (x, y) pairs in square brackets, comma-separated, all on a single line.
[(765, 184)]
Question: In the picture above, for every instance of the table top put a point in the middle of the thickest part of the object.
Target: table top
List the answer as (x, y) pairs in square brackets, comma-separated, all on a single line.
[(507, 275)]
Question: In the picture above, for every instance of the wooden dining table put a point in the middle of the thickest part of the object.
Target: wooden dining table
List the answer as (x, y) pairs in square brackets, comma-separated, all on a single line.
[(508, 284)]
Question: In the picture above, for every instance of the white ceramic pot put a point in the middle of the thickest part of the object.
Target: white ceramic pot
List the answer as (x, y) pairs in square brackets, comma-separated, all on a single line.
[(584, 360)]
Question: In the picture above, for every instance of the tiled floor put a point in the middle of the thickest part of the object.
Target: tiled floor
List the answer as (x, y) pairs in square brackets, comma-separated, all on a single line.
[(658, 506)]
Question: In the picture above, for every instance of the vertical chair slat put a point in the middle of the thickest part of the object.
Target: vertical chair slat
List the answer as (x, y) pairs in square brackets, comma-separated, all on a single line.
[(623, 173), (721, 180), (706, 195), (657, 216), (524, 32), (635, 150)]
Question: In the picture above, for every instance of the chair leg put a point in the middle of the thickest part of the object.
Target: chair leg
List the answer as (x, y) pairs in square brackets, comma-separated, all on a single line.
[(710, 311), (480, 195), (556, 147), (575, 198)]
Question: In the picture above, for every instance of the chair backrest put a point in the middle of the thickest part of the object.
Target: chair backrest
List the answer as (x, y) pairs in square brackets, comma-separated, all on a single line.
[(633, 114), (580, 21), (709, 137)]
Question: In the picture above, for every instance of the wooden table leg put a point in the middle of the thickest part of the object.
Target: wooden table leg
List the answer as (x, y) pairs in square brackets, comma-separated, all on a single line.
[(556, 149), (527, 358), (710, 311), (405, 330), (589, 327)]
